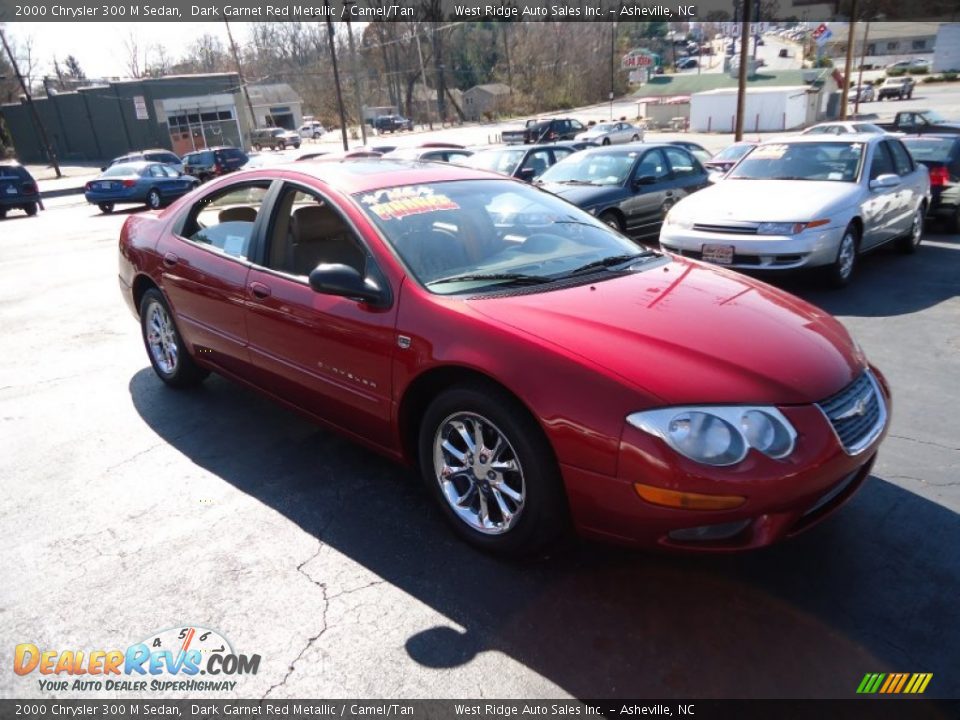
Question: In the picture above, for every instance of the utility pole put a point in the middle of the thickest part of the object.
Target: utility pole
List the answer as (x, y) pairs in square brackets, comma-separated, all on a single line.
[(336, 76), (423, 78), (613, 51), (51, 153), (354, 72), (243, 83), (851, 33), (744, 59), (863, 59)]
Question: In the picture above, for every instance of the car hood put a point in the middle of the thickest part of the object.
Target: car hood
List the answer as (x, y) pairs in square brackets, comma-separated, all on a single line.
[(585, 195), (684, 333), (766, 200)]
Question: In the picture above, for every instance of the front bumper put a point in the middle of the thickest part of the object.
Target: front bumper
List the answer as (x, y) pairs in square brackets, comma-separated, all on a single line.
[(758, 252), (781, 497)]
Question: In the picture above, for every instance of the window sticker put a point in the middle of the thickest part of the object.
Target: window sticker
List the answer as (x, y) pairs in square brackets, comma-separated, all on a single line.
[(398, 203)]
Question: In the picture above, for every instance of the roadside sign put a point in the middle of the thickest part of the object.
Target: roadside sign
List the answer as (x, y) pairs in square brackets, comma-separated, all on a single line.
[(637, 59), (822, 34)]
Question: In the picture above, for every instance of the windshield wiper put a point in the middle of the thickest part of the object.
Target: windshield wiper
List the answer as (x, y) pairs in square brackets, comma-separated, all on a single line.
[(511, 278), (575, 182), (612, 261)]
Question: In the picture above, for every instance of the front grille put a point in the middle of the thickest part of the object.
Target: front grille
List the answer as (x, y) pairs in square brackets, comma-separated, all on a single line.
[(857, 413), (727, 228)]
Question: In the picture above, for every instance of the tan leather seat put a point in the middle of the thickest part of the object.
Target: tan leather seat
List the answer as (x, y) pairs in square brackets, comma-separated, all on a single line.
[(320, 236), (241, 213)]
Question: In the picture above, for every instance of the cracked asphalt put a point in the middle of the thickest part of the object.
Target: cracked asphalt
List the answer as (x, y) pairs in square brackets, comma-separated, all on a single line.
[(129, 508)]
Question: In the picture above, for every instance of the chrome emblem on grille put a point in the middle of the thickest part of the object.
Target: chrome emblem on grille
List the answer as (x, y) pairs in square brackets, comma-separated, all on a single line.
[(857, 407)]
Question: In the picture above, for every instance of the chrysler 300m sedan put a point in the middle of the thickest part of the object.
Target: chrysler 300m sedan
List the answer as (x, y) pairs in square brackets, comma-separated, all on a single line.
[(810, 201), (538, 369)]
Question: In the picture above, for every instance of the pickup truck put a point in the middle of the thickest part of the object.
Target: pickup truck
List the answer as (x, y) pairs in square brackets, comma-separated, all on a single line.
[(538, 131), (921, 122)]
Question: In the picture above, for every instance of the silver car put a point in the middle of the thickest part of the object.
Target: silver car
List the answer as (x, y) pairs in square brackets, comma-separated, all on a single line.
[(611, 133), (805, 202)]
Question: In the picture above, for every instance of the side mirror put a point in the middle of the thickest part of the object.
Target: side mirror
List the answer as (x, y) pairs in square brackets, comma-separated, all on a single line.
[(884, 181), (346, 281), (639, 182), (526, 174)]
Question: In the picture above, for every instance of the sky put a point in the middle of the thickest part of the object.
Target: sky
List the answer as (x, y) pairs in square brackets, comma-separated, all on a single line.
[(99, 47)]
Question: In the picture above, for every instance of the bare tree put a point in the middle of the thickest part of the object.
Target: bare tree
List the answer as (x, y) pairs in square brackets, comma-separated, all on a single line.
[(131, 46)]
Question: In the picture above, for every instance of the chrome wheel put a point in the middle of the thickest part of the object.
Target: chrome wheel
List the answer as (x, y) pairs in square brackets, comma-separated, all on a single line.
[(153, 199), (916, 232), (162, 339), (847, 255), (479, 473)]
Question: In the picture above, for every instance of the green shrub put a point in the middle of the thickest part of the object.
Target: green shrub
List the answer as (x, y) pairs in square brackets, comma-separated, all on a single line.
[(931, 79), (896, 72), (922, 70), (950, 76)]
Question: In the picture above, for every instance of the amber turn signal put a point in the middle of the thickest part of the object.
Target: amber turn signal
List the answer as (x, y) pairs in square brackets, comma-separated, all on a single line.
[(687, 500)]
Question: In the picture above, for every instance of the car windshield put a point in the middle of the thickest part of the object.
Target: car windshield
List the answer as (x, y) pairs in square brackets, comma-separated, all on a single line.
[(931, 149), (835, 161), (476, 235), (593, 168), (502, 161), (734, 152), (121, 170), (868, 128)]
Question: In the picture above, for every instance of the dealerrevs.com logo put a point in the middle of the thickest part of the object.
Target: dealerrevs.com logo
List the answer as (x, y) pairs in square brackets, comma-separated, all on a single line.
[(170, 660)]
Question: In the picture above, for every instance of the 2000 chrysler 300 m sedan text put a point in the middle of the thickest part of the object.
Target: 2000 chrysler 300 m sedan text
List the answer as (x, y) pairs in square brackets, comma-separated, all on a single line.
[(538, 368)]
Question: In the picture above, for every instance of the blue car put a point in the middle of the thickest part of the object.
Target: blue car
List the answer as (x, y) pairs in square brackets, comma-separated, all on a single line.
[(629, 187), (151, 183)]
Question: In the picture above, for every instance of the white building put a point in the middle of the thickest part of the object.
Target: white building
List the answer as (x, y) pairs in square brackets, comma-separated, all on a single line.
[(767, 109), (946, 55)]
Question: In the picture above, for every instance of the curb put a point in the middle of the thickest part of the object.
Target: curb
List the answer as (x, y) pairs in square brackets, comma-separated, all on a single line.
[(64, 192)]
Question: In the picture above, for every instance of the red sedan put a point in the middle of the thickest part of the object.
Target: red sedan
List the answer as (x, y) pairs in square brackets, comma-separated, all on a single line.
[(539, 369)]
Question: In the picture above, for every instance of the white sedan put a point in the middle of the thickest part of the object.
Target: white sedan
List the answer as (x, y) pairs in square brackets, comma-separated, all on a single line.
[(612, 133), (805, 202)]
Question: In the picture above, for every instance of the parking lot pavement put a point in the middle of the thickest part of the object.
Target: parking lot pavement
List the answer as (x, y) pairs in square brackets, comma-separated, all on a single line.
[(130, 508)]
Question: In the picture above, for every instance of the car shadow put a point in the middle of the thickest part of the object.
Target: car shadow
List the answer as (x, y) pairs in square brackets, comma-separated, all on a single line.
[(888, 283), (872, 589)]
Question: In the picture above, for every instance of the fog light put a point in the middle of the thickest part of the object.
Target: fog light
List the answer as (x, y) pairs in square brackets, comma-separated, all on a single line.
[(724, 531), (687, 500)]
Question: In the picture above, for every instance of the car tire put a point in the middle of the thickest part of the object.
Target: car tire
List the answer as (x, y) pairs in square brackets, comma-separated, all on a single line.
[(165, 348), (106, 208), (154, 201), (605, 141), (839, 273), (258, 147), (30, 209), (3, 213), (518, 510), (910, 242), (296, 146), (316, 136), (611, 218), (635, 138)]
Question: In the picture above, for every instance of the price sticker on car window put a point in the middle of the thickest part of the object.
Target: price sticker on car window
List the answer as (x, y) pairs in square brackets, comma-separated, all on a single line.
[(399, 203)]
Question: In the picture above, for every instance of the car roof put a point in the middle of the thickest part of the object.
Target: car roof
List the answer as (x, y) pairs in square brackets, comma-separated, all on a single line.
[(366, 174), (849, 137), (931, 136)]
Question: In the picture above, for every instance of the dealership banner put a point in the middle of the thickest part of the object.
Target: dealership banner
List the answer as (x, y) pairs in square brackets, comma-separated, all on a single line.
[(432, 10), (108, 709)]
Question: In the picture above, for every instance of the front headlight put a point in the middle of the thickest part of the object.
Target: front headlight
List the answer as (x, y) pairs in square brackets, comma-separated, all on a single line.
[(678, 221), (721, 435), (788, 228)]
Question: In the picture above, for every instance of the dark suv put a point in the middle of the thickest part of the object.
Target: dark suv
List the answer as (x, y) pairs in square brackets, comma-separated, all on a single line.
[(213, 162), (538, 131), (392, 123), (18, 189)]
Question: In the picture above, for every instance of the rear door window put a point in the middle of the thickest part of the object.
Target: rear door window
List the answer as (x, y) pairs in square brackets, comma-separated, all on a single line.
[(901, 158)]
